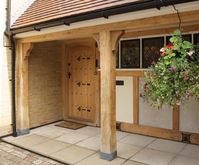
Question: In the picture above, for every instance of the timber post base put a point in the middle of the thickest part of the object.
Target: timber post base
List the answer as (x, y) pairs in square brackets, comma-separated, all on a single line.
[(108, 156), (21, 132)]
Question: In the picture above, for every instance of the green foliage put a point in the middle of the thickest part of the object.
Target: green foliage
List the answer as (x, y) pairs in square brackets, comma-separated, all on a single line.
[(175, 77)]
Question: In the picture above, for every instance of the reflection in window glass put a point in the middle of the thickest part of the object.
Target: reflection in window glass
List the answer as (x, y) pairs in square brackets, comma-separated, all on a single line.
[(167, 39), (196, 39), (151, 50), (187, 37), (130, 54)]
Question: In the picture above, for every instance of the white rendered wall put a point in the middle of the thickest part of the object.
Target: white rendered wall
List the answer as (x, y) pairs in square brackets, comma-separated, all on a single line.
[(150, 116), (147, 115), (189, 117), (124, 100), (189, 113)]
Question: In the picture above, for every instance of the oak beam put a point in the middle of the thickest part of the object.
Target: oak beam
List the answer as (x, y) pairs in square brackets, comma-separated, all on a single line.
[(162, 21), (22, 94), (122, 73), (152, 131), (194, 138)]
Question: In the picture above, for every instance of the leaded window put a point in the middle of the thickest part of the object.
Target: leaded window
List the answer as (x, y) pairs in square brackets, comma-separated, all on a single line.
[(130, 53), (151, 50)]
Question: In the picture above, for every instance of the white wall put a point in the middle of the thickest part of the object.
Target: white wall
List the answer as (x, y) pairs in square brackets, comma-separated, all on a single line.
[(189, 117), (150, 116), (189, 113), (124, 100), (147, 115)]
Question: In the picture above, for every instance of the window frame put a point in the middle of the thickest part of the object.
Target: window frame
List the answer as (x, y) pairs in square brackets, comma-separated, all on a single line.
[(141, 47), (121, 55)]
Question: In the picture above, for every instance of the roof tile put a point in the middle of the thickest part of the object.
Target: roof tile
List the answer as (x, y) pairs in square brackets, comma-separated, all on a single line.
[(46, 10)]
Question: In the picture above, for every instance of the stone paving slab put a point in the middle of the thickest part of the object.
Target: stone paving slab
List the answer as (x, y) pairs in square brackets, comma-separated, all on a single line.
[(132, 149), (12, 155)]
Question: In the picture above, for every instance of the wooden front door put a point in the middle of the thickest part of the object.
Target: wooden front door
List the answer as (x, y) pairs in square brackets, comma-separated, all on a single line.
[(82, 84)]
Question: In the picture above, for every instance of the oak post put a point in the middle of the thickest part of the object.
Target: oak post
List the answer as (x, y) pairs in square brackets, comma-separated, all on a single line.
[(176, 117), (136, 100), (22, 101), (106, 43)]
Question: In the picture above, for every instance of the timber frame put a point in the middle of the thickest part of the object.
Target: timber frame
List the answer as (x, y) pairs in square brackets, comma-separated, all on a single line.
[(23, 52), (107, 36)]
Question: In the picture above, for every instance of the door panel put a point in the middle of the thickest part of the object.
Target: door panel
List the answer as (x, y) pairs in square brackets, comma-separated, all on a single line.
[(82, 87)]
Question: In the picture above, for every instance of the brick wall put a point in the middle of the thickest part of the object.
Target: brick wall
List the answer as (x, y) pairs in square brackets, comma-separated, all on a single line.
[(45, 91)]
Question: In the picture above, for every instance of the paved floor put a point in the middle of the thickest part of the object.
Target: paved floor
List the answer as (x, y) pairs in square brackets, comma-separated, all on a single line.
[(81, 147), (11, 155)]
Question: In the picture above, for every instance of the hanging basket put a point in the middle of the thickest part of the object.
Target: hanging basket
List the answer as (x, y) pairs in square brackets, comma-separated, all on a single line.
[(175, 77)]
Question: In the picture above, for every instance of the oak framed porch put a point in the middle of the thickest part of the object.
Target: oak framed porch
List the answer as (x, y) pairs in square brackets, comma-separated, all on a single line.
[(106, 37)]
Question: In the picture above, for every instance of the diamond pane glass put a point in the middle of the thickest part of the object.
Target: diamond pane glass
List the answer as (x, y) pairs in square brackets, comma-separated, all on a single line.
[(130, 54), (151, 50)]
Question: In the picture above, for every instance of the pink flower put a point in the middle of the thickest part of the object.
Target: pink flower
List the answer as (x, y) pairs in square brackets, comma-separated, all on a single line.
[(163, 49), (186, 78), (172, 69), (187, 93)]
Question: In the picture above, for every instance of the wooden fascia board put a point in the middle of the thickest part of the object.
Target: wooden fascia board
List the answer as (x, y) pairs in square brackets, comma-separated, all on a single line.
[(168, 20)]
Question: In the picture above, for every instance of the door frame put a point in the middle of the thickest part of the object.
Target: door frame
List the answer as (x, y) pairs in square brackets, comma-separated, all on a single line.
[(65, 83)]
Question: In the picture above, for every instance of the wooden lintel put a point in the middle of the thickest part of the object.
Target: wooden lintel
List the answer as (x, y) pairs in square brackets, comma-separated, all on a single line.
[(168, 20), (130, 73), (158, 31)]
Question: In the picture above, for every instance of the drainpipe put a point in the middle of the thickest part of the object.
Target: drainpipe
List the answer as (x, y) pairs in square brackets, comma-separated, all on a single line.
[(12, 47), (13, 87)]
